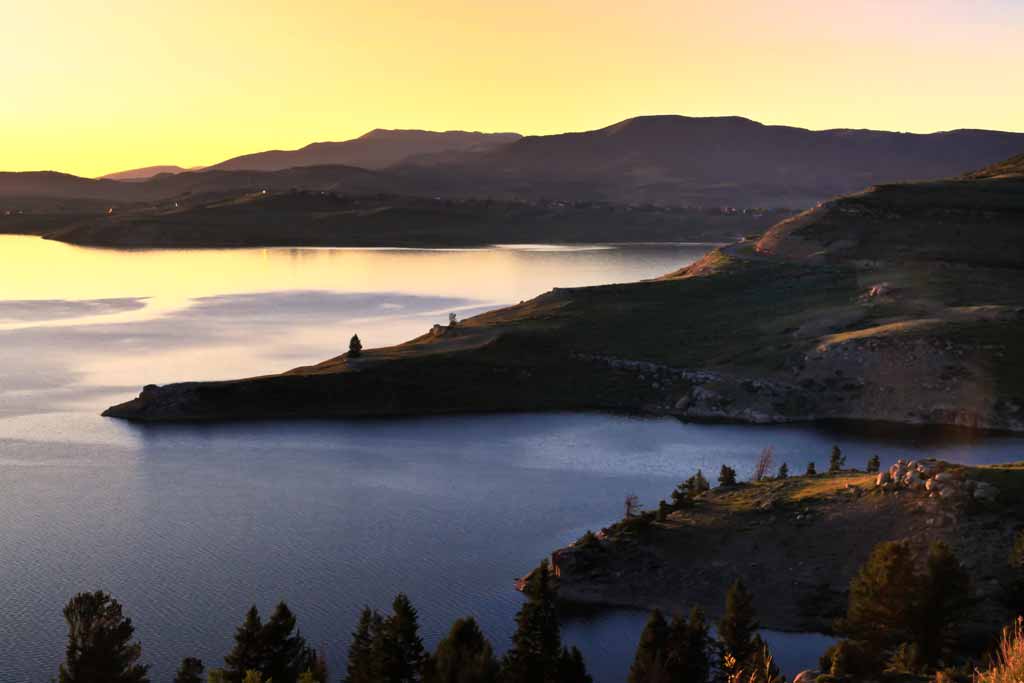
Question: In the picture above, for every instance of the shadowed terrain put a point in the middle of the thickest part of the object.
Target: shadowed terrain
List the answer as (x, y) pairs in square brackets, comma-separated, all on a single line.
[(899, 304)]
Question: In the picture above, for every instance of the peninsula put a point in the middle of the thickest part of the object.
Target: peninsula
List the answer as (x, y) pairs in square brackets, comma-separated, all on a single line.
[(900, 304)]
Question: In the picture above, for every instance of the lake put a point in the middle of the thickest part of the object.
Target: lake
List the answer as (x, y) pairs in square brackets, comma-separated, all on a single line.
[(187, 525)]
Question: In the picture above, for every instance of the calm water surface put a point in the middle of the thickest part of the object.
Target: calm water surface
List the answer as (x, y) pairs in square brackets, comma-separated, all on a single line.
[(188, 525)]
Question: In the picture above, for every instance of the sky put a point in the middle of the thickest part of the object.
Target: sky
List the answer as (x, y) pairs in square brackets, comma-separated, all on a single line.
[(95, 87)]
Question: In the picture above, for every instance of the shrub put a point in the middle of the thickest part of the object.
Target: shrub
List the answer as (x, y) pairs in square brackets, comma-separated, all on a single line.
[(783, 471)]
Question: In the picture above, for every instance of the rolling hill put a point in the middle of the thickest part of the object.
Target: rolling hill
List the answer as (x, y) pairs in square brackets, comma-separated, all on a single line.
[(900, 304)]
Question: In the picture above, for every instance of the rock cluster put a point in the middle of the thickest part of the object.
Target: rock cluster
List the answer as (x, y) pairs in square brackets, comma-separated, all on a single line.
[(932, 478)]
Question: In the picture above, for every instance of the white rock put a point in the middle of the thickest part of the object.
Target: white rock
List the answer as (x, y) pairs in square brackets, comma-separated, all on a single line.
[(807, 676), (882, 479)]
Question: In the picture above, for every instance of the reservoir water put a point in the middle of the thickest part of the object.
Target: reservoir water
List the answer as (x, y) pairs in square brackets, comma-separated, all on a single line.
[(187, 525)]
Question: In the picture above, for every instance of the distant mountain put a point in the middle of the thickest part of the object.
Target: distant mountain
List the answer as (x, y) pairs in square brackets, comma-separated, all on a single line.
[(664, 160), (376, 150), (726, 160), (144, 173)]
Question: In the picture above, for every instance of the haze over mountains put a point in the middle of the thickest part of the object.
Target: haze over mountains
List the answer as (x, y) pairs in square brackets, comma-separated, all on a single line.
[(666, 160)]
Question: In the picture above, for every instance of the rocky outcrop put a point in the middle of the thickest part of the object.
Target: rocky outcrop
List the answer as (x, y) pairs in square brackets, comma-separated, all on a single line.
[(934, 479)]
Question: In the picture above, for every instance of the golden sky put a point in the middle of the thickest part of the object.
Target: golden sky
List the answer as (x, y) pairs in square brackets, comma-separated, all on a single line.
[(95, 87)]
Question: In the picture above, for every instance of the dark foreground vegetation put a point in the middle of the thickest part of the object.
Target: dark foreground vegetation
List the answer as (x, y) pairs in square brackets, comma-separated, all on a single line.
[(901, 625), (896, 635)]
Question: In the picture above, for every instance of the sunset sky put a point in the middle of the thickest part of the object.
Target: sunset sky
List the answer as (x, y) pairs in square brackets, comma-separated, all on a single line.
[(95, 87)]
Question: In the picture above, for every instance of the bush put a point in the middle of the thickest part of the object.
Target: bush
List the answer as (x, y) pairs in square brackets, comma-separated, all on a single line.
[(783, 471)]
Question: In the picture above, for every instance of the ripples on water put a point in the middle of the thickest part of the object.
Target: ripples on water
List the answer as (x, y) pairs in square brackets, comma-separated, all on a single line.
[(188, 525)]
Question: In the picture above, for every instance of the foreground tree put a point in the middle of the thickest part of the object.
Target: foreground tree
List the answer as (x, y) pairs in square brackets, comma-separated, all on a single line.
[(536, 655), (190, 671), (689, 643), (651, 652), (99, 645), (284, 652), (945, 599), (403, 655), (464, 656), (361, 667), (882, 601), (893, 604), (737, 629), (247, 653)]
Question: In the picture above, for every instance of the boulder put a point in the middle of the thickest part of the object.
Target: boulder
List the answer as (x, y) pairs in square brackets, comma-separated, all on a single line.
[(883, 478), (806, 676), (944, 477)]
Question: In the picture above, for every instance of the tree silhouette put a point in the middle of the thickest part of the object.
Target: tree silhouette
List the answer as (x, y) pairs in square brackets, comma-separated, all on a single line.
[(99, 643)]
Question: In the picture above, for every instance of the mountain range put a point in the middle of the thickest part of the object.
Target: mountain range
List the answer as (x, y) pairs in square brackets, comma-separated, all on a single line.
[(665, 160)]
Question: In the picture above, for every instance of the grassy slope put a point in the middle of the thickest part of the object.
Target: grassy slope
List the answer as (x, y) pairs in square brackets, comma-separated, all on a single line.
[(936, 345), (796, 543)]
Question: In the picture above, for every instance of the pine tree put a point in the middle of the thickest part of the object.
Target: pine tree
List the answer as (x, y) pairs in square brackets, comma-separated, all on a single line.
[(738, 627), (836, 461), (783, 471), (355, 347), (874, 464), (946, 590), (464, 656), (686, 660), (727, 476), (651, 651), (360, 668), (284, 653), (404, 656), (572, 668), (536, 652), (761, 667), (811, 470), (190, 671), (883, 601), (247, 654), (99, 643)]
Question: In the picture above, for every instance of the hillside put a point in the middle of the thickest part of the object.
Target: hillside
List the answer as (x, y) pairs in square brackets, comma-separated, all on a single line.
[(896, 325), (375, 150), (796, 543), (729, 161), (304, 218), (662, 160)]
